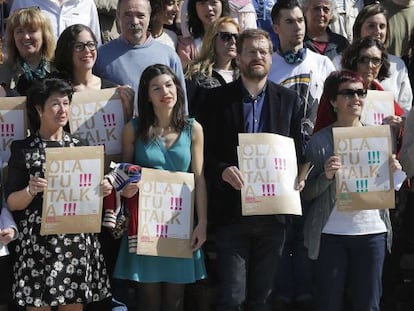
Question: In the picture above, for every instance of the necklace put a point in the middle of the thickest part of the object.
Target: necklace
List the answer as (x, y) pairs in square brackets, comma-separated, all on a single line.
[(164, 134), (155, 36)]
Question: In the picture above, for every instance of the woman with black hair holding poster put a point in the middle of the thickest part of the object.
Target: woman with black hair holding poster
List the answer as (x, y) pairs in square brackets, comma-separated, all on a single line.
[(63, 270)]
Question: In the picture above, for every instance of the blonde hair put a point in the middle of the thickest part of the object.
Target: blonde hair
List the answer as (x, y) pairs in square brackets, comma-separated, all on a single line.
[(30, 17), (207, 58)]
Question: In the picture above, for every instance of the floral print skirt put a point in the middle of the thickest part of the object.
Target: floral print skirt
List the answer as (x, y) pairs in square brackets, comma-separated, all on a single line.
[(54, 270)]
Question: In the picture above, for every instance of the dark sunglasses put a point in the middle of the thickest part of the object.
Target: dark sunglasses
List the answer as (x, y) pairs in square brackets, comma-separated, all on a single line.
[(80, 46), (226, 36), (373, 60), (350, 93)]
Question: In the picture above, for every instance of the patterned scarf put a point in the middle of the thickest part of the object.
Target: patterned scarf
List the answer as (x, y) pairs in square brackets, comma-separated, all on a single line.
[(38, 73)]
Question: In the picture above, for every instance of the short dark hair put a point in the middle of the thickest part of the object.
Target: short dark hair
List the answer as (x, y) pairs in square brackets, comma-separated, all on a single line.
[(336, 78), (147, 117), (64, 48), (364, 14), (253, 34), (194, 23), (283, 5), (38, 94), (351, 55)]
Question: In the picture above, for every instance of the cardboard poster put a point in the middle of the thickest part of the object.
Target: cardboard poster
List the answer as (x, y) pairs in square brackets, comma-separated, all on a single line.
[(98, 117), (166, 213), (72, 201), (268, 164), (377, 106), (12, 113), (365, 180)]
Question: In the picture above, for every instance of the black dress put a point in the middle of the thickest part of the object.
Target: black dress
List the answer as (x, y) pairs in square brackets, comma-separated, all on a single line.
[(51, 270)]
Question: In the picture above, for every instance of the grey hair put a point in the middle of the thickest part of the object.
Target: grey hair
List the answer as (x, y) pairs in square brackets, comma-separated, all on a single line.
[(305, 3)]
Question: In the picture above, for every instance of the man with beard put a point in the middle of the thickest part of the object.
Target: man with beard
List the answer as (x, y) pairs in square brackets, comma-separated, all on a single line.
[(248, 247), (124, 59)]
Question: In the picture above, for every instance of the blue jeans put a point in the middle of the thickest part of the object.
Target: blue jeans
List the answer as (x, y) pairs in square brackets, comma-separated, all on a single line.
[(355, 259), (247, 255)]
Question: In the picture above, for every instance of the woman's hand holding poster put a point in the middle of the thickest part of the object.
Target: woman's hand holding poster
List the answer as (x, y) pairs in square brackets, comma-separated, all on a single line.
[(269, 167), (365, 179), (166, 213), (72, 201)]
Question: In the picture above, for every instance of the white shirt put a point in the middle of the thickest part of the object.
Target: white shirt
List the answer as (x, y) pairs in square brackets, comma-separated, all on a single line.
[(313, 71), (71, 12), (346, 13), (168, 37), (354, 223)]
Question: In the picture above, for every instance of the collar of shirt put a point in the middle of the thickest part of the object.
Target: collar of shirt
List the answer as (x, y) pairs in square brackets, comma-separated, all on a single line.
[(254, 118)]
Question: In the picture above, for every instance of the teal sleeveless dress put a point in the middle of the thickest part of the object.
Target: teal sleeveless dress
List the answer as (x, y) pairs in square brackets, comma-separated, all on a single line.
[(151, 269)]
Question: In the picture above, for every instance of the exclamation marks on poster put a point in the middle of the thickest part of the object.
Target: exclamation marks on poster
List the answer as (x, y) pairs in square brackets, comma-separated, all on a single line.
[(109, 119), (280, 164), (373, 157), (161, 231), (268, 190), (7, 130), (361, 185), (69, 209), (176, 203), (85, 180), (378, 117)]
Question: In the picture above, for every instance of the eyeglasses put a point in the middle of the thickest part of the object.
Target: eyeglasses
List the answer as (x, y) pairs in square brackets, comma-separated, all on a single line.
[(350, 93), (375, 61), (80, 46), (226, 36), (253, 53)]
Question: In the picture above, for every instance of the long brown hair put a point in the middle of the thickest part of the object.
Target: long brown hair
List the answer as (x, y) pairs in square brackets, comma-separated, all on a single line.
[(146, 114)]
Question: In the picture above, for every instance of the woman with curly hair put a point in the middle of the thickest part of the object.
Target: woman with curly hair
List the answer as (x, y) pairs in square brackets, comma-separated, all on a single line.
[(368, 57), (164, 12)]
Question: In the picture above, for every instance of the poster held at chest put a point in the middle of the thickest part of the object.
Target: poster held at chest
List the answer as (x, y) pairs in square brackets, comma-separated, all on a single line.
[(72, 200), (365, 179), (377, 106), (268, 164), (166, 213), (98, 117), (12, 112)]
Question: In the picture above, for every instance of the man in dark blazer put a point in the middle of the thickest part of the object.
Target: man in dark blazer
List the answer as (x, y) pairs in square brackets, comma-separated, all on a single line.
[(248, 247)]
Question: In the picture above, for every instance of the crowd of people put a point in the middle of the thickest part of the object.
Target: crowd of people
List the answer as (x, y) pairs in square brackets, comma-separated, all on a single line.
[(192, 75)]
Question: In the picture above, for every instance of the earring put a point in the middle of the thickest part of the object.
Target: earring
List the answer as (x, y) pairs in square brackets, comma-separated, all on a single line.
[(335, 110)]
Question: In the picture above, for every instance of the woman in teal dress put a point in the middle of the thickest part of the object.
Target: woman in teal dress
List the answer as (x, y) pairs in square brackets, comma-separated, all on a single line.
[(163, 138)]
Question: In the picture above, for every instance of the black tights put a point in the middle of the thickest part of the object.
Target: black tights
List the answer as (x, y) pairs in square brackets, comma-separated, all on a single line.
[(154, 296)]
